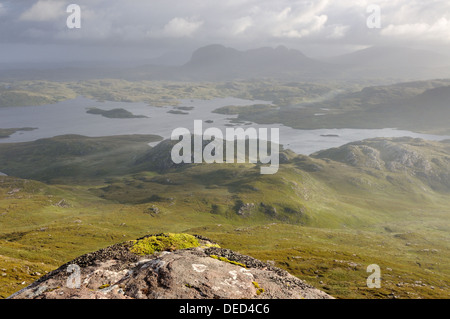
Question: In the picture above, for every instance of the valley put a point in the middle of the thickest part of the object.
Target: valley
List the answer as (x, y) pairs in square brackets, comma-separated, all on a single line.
[(360, 194), (324, 217), (229, 150)]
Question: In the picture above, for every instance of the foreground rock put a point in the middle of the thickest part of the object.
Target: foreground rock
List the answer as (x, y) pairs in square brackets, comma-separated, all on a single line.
[(204, 270)]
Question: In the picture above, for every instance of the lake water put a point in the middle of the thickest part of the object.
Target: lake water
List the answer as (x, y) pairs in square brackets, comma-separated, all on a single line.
[(70, 117)]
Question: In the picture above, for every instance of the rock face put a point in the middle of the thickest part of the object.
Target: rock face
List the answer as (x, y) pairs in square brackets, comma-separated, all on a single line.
[(204, 271), (400, 154), (426, 160)]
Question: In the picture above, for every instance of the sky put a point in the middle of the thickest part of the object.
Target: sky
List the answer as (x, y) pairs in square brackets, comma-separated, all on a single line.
[(113, 30)]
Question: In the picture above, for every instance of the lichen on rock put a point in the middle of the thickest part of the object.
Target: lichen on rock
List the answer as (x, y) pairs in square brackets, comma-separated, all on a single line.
[(169, 266)]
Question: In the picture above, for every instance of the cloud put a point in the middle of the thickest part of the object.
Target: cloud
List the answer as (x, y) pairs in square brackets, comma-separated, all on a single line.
[(439, 30), (240, 23), (174, 29), (428, 21), (338, 31), (44, 11), (180, 27), (297, 23)]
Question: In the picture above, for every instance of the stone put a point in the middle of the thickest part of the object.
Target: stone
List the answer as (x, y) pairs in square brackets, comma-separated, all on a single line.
[(203, 272)]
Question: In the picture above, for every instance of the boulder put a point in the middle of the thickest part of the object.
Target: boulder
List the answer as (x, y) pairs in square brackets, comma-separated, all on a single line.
[(168, 266)]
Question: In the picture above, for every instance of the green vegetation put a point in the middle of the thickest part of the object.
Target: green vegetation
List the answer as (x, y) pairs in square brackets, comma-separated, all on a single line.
[(211, 245), (73, 156), (27, 93), (233, 110), (224, 259), (104, 286), (259, 290), (162, 93), (324, 218), (418, 106), (168, 241)]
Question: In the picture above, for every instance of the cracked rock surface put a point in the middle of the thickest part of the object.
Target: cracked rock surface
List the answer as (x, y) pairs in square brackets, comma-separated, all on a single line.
[(194, 273)]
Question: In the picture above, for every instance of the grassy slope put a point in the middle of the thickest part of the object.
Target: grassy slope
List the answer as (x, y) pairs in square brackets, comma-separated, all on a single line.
[(323, 220), (73, 156), (27, 93)]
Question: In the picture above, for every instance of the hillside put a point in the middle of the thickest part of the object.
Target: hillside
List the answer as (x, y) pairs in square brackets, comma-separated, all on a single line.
[(426, 161), (392, 57), (73, 156), (393, 62), (323, 218), (421, 106), (33, 93)]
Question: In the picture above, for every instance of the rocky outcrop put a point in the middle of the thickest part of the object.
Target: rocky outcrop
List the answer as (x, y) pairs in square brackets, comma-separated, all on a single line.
[(203, 270), (426, 160), (390, 154)]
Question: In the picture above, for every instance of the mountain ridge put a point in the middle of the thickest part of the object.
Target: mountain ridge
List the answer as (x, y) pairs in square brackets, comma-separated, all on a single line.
[(216, 62), (321, 219), (392, 56)]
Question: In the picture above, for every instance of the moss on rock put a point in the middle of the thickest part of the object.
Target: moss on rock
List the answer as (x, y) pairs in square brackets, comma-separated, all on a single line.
[(224, 259), (163, 242), (259, 290)]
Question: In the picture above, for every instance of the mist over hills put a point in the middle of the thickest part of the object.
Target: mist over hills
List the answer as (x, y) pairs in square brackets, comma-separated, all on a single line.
[(351, 206), (320, 149), (219, 63), (216, 61), (384, 61), (427, 110), (385, 56)]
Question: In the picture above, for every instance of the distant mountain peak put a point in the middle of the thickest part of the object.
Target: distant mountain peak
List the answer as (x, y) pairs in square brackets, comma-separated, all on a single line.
[(216, 61), (392, 56), (211, 53)]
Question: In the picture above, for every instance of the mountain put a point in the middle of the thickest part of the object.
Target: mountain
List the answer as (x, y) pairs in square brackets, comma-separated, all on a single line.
[(415, 158), (159, 157), (169, 266), (418, 106), (73, 156), (384, 56), (436, 98), (323, 218), (210, 63), (171, 58), (409, 107), (217, 62), (431, 108), (396, 62)]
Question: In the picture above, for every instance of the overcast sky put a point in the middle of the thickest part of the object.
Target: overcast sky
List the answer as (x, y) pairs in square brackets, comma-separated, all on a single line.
[(36, 30)]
